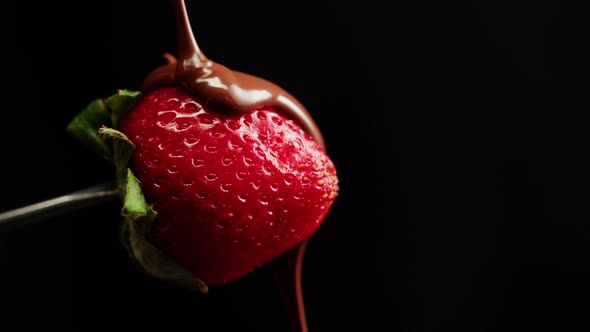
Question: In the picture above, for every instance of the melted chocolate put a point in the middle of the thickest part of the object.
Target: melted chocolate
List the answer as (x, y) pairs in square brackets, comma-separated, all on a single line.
[(225, 90), (287, 273), (232, 92)]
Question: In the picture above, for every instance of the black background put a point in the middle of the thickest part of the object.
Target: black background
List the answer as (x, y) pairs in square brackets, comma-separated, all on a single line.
[(459, 130)]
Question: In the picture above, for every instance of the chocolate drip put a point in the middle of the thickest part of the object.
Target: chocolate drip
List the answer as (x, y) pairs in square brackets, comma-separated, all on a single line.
[(287, 273), (232, 92), (223, 89)]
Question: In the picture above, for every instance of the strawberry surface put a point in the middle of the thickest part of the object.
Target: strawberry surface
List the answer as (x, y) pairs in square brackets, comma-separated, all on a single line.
[(232, 192)]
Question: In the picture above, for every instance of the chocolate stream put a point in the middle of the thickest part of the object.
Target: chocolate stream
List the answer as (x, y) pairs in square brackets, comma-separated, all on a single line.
[(225, 90), (287, 270), (233, 92)]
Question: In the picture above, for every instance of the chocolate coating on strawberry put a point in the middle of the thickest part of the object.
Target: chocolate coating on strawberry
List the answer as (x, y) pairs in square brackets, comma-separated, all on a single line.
[(225, 90)]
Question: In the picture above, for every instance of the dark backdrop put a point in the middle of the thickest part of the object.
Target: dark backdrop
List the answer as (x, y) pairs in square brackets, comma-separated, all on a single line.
[(459, 130)]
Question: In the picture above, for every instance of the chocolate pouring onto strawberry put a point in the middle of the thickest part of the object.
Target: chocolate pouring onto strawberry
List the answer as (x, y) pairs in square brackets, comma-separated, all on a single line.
[(221, 172)]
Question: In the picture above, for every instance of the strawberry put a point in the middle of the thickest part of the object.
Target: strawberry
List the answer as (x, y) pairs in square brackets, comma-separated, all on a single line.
[(208, 196), (215, 180), (232, 192)]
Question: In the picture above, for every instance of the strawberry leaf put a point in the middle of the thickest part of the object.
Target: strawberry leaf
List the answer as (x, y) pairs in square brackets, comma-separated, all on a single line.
[(86, 124), (138, 218), (107, 112), (120, 104), (96, 126), (122, 149)]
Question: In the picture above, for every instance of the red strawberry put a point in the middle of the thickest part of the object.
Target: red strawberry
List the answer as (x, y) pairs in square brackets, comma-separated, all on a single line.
[(232, 192)]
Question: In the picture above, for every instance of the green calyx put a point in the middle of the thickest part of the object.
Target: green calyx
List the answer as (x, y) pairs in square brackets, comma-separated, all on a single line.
[(138, 219), (97, 127), (104, 112)]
